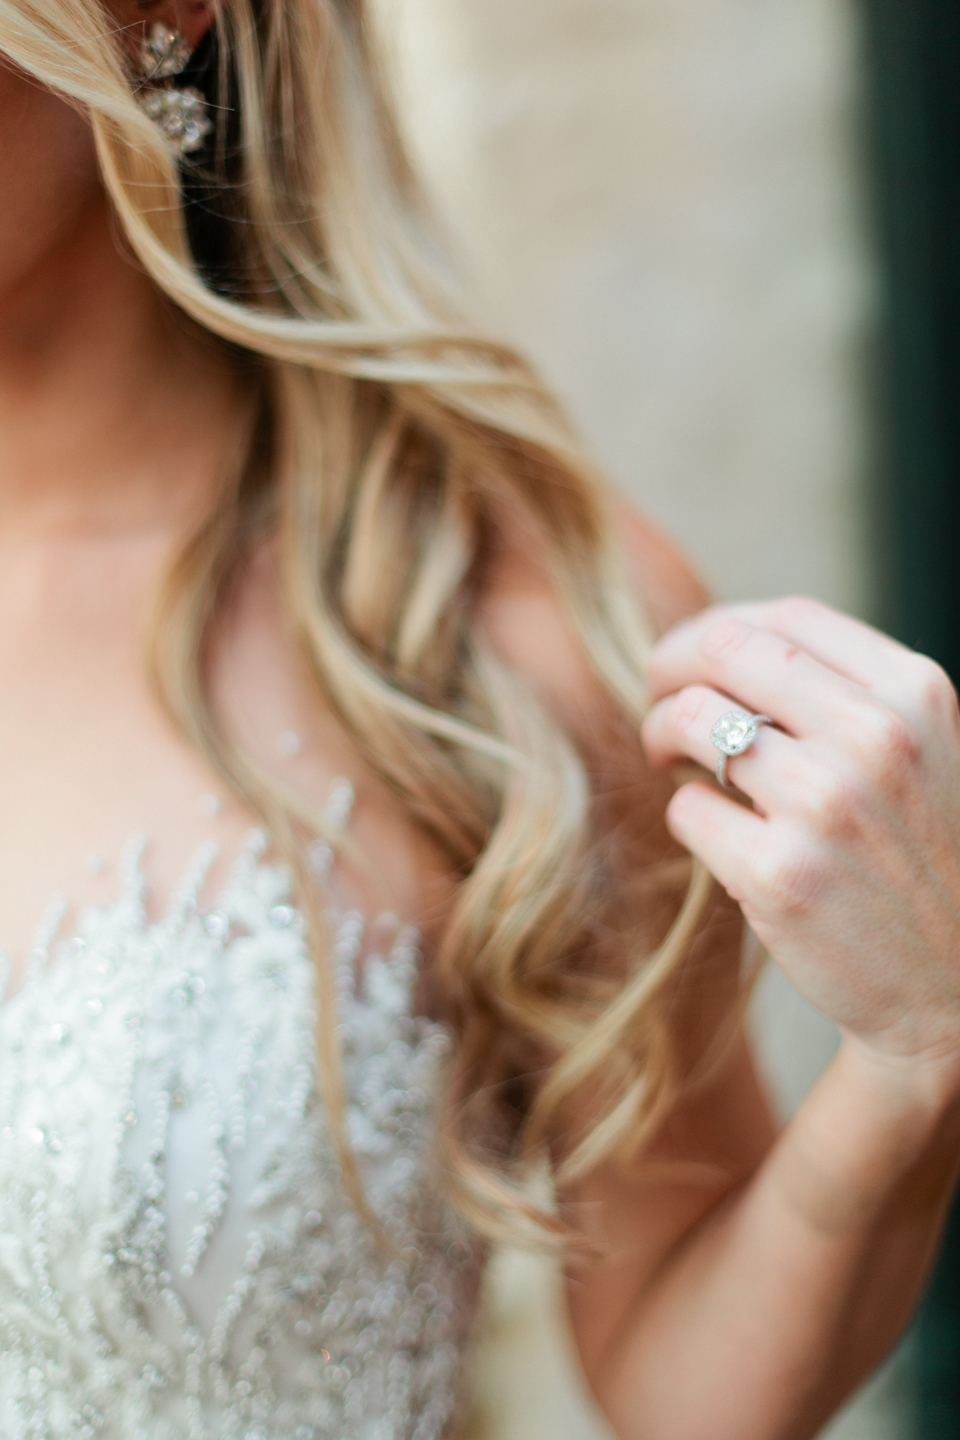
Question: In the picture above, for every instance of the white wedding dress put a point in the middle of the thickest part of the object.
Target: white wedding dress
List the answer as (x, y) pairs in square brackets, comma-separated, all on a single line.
[(179, 1259)]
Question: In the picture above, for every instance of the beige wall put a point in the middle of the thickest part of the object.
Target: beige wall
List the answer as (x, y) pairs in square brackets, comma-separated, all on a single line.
[(661, 202)]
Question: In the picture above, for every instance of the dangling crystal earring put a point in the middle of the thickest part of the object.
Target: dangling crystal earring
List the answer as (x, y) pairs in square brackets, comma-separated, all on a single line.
[(180, 112)]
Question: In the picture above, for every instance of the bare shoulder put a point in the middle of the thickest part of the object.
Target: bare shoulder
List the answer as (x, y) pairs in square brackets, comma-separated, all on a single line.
[(526, 623), (664, 578), (521, 614), (528, 627)]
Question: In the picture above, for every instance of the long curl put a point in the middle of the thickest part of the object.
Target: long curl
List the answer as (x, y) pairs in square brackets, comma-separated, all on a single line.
[(388, 441)]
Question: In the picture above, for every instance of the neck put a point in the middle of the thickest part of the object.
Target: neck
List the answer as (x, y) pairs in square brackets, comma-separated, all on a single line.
[(114, 413)]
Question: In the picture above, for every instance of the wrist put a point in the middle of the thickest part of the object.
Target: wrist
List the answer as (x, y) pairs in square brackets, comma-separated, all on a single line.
[(918, 1091), (874, 1126)]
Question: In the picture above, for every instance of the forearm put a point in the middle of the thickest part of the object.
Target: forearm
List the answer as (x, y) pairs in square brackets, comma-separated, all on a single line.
[(786, 1294)]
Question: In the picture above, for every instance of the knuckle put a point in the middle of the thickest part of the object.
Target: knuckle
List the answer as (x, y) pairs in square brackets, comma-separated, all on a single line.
[(831, 798), (934, 689), (688, 709), (725, 636), (888, 743), (788, 876)]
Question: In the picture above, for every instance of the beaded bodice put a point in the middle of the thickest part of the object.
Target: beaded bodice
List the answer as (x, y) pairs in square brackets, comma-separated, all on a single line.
[(178, 1255)]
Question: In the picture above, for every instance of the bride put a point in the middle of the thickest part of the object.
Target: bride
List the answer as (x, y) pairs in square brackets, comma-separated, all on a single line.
[(331, 710)]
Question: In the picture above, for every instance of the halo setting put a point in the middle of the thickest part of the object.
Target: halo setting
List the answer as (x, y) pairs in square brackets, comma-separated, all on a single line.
[(734, 733)]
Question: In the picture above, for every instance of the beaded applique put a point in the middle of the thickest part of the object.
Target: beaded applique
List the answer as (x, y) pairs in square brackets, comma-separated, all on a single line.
[(178, 1256)]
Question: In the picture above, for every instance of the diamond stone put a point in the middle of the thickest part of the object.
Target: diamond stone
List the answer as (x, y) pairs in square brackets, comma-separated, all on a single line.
[(163, 52), (734, 732)]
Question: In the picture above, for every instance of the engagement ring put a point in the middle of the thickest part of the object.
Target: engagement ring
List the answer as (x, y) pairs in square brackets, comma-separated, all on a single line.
[(734, 733)]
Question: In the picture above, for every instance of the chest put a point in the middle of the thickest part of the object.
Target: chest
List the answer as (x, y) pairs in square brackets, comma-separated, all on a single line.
[(173, 1223)]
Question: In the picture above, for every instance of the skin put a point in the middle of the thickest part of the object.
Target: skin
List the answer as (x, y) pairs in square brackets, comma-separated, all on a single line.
[(116, 420), (783, 1294), (748, 1281), (112, 424)]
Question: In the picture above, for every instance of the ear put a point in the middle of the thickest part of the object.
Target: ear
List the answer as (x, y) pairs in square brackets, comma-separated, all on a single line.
[(192, 18)]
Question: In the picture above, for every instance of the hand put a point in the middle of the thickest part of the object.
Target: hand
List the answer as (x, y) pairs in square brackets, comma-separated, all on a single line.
[(848, 866)]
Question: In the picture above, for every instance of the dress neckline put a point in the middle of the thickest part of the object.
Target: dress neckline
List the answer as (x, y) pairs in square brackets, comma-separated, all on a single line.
[(126, 910)]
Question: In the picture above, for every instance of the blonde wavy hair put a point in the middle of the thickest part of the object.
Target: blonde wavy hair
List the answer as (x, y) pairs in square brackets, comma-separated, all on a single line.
[(388, 444)]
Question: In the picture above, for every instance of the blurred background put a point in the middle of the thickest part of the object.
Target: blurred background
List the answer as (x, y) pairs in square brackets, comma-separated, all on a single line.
[(729, 236)]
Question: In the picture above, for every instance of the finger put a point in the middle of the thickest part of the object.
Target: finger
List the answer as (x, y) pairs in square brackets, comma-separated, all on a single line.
[(678, 728), (850, 647), (721, 833), (763, 671)]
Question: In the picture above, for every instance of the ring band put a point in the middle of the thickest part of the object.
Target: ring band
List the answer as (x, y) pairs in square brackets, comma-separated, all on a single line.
[(733, 734)]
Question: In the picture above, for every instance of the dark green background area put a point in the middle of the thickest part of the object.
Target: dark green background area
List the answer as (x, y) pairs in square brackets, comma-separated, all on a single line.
[(912, 53), (913, 67)]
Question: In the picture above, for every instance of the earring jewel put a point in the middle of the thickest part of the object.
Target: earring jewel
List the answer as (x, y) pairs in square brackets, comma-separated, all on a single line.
[(179, 111), (163, 52)]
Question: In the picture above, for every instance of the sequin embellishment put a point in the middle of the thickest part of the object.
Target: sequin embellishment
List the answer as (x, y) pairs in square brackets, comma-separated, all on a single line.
[(178, 1256)]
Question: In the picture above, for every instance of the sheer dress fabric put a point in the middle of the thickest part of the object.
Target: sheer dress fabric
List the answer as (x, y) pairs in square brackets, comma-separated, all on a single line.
[(179, 1259)]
